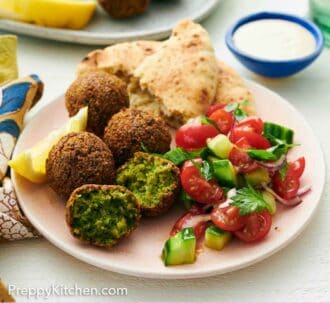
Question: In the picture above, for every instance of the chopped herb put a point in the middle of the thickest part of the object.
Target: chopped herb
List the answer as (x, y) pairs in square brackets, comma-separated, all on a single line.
[(144, 148), (186, 199), (208, 121), (283, 171), (272, 153), (206, 169), (236, 109), (179, 155), (249, 201)]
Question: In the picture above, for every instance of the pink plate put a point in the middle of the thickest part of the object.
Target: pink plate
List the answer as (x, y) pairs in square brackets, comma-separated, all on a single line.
[(139, 255)]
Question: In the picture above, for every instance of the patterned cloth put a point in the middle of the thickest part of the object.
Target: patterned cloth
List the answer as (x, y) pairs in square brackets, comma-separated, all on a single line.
[(16, 98)]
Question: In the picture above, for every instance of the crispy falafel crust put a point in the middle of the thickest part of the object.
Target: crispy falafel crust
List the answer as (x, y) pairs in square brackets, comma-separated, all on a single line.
[(167, 199), (104, 95), (104, 188), (124, 8), (77, 159), (130, 128)]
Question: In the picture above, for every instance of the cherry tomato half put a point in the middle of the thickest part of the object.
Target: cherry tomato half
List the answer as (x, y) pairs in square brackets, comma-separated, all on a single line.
[(214, 108), (227, 218), (194, 136), (199, 189), (240, 159), (297, 167), (289, 187), (254, 124), (257, 226), (255, 140), (224, 120)]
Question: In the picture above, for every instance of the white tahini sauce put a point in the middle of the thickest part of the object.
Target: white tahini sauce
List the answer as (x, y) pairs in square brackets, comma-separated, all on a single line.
[(274, 39)]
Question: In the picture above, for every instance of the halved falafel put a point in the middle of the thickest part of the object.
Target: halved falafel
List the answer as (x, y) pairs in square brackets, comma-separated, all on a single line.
[(129, 129), (77, 159), (102, 215), (124, 8), (104, 95), (154, 181)]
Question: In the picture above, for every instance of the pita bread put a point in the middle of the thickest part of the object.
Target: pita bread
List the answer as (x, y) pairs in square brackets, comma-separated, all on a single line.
[(232, 89), (180, 79), (120, 60)]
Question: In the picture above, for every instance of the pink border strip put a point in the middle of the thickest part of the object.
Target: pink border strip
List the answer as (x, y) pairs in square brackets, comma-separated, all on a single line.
[(165, 316)]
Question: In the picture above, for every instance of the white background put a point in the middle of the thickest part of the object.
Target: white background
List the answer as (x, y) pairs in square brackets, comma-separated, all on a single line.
[(300, 272)]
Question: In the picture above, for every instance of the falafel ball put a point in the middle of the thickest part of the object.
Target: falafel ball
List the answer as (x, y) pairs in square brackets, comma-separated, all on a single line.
[(154, 181), (102, 215), (103, 93), (130, 129), (77, 159), (124, 8)]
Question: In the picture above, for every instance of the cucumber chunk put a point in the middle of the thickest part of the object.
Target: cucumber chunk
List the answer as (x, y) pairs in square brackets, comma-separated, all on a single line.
[(220, 146), (278, 131), (224, 171), (215, 238), (180, 249), (270, 200), (258, 177)]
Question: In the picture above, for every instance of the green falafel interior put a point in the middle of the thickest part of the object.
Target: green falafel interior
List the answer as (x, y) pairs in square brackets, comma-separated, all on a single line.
[(151, 179), (102, 215)]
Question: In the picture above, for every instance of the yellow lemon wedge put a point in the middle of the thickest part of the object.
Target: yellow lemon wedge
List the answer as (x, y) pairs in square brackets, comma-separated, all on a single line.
[(67, 14), (8, 59), (31, 163)]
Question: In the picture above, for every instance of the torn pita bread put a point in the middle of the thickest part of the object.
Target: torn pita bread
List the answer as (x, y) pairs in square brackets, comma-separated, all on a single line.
[(180, 79), (232, 89), (120, 60)]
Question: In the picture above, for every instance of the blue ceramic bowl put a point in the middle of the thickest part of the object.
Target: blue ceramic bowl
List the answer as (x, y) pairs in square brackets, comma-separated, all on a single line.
[(271, 68)]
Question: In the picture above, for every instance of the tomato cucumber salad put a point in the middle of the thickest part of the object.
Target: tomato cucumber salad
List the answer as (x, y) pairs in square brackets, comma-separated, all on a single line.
[(234, 168)]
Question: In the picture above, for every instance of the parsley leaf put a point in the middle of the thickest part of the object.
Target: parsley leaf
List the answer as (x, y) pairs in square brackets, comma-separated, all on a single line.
[(249, 201), (179, 155), (236, 109), (272, 153), (208, 121), (206, 169), (283, 171)]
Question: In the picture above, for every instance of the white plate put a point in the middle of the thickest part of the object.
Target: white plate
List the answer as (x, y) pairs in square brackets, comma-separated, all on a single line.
[(139, 255), (156, 23)]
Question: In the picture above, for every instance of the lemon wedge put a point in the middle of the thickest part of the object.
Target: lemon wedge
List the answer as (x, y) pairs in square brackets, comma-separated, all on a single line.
[(70, 14), (31, 163), (8, 60)]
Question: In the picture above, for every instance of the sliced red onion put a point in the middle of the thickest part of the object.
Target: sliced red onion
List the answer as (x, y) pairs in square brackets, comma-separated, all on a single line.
[(231, 193), (196, 219), (304, 190), (292, 202), (274, 166)]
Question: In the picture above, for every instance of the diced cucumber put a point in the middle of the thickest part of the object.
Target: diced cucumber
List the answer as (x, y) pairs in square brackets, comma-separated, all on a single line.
[(224, 171), (220, 146), (257, 177), (180, 249), (270, 200), (280, 132), (215, 238)]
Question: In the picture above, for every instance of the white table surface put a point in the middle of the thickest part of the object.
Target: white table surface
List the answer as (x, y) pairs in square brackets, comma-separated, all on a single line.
[(300, 272)]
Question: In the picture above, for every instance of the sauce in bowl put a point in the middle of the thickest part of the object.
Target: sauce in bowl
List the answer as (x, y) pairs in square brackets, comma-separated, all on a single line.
[(274, 39)]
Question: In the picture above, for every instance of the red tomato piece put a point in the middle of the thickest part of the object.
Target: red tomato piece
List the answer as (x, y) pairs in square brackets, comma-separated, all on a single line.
[(194, 136), (289, 187), (227, 218), (224, 120), (199, 189), (214, 108), (255, 140), (257, 226), (254, 124), (297, 167), (240, 159)]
